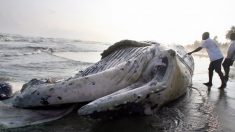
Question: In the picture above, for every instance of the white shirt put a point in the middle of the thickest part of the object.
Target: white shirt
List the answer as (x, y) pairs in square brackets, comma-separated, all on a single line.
[(212, 49), (231, 51)]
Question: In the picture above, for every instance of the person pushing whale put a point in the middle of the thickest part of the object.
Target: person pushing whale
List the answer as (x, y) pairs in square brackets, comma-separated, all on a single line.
[(216, 58)]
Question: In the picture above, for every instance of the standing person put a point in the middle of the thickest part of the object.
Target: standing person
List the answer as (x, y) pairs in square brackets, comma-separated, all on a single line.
[(216, 58), (230, 57)]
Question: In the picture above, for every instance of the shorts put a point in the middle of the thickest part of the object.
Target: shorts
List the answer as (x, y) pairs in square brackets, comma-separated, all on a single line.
[(216, 65), (228, 62)]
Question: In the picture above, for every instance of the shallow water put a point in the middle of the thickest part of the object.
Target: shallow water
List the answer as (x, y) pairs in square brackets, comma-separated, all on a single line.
[(201, 109)]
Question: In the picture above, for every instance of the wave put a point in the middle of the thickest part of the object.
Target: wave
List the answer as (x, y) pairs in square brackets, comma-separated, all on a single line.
[(18, 53), (25, 71), (19, 38), (41, 49)]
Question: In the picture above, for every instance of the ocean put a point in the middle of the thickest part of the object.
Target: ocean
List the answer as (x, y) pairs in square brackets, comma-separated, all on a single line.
[(24, 58)]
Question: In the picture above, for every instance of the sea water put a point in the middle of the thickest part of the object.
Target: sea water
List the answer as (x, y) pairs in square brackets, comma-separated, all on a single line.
[(201, 109), (25, 58)]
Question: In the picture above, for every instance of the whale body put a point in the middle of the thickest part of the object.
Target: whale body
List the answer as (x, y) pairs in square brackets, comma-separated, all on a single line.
[(131, 65), (165, 78)]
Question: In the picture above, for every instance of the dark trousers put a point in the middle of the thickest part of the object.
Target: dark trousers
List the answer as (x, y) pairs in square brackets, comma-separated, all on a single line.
[(226, 65), (216, 65)]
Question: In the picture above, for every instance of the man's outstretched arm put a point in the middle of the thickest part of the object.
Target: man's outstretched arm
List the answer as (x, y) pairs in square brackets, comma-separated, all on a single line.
[(196, 50)]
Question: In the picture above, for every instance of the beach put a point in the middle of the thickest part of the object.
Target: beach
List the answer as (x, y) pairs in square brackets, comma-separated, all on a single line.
[(201, 109)]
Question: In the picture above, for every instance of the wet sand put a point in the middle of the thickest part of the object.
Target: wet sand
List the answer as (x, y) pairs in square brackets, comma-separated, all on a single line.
[(220, 103), (201, 109)]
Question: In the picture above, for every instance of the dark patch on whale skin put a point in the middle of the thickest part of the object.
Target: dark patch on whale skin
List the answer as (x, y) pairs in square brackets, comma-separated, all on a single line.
[(122, 110), (148, 95), (128, 63), (90, 82), (155, 106), (134, 66), (60, 98), (34, 91), (5, 90), (44, 100)]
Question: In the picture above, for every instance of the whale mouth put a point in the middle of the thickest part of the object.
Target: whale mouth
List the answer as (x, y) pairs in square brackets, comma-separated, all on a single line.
[(160, 69)]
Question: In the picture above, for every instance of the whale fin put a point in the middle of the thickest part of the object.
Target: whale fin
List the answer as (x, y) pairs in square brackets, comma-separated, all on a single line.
[(132, 100)]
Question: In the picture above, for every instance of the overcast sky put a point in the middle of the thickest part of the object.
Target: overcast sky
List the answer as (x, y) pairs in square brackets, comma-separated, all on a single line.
[(165, 21)]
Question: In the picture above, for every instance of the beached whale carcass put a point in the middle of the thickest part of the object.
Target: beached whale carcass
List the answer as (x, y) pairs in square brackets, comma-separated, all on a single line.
[(166, 77), (145, 73), (142, 75)]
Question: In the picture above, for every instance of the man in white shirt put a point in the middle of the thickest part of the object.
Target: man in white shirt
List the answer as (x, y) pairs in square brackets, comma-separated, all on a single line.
[(216, 58), (230, 57)]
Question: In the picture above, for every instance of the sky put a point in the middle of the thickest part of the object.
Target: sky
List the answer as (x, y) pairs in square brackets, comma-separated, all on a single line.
[(164, 21)]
